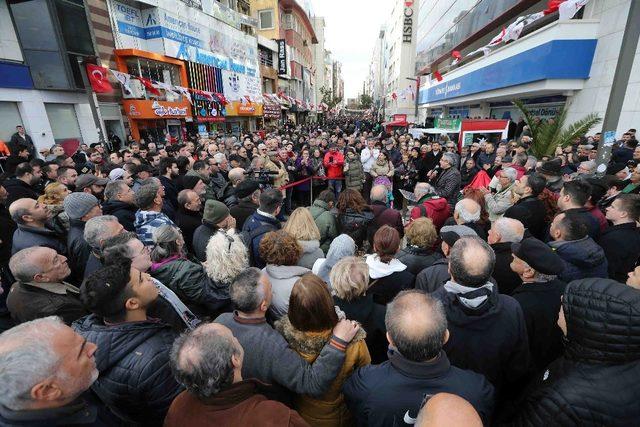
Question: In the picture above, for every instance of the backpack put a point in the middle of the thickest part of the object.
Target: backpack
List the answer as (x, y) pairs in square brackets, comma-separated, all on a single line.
[(248, 237)]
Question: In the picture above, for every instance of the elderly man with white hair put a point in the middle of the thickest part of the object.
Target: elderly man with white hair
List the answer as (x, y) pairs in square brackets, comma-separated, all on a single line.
[(447, 182), (502, 234), (430, 205), (468, 212), (96, 231), (497, 203), (46, 368)]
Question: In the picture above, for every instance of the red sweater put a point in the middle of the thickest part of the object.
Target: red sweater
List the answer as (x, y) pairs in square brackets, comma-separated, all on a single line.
[(333, 169)]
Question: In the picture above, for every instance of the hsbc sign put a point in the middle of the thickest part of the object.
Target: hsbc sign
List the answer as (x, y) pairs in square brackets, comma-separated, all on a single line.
[(407, 23)]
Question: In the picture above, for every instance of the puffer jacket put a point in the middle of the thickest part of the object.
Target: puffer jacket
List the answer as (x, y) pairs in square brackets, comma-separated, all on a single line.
[(385, 169), (310, 253), (189, 280), (354, 174), (595, 382), (355, 224), (282, 278), (582, 258), (135, 380), (330, 408), (326, 223)]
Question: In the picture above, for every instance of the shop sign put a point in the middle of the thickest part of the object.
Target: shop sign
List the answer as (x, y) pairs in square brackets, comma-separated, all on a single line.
[(143, 109), (407, 22), (282, 56), (163, 110), (237, 108), (447, 124), (238, 86), (271, 111), (207, 111)]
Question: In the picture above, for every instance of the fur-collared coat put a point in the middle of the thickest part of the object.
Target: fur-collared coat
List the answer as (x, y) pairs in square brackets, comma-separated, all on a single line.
[(330, 409)]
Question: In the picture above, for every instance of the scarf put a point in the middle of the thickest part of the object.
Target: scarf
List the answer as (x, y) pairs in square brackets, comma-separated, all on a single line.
[(469, 297), (183, 311)]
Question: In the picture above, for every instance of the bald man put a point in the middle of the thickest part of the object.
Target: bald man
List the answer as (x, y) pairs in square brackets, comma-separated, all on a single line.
[(391, 393), (468, 212), (446, 409), (488, 331), (502, 234), (31, 218)]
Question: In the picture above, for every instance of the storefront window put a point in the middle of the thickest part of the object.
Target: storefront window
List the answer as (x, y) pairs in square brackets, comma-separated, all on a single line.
[(9, 119), (63, 121), (154, 70)]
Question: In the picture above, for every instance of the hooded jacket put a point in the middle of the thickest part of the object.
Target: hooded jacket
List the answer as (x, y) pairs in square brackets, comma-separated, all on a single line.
[(125, 212), (582, 258), (387, 279), (282, 278), (390, 394), (311, 252), (342, 246), (326, 223), (328, 409), (135, 380), (434, 207), (595, 382), (146, 222)]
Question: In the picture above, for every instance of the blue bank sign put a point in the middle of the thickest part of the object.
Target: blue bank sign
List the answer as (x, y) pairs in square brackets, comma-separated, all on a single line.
[(557, 59)]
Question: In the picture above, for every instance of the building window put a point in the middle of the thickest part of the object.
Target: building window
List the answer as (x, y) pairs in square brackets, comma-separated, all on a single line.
[(266, 19), (63, 121), (9, 119), (266, 57)]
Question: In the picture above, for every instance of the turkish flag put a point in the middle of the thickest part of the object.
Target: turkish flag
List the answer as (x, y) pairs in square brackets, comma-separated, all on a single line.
[(552, 6), (99, 79), (437, 75), (149, 86)]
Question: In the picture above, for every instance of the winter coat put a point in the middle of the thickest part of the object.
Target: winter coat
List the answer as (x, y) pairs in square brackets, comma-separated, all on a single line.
[(447, 185), (78, 250), (201, 237), (27, 301), (311, 252), (333, 168), (383, 215), (326, 223), (417, 259), (171, 190), (135, 381), (433, 277), (189, 280), (621, 246), (498, 203), (434, 207), (342, 246), (148, 221), (125, 212), (303, 172), (531, 213), (371, 317), (188, 221), (18, 189), (498, 320), (242, 211), (26, 237), (355, 224), (329, 409), (467, 175), (385, 169), (354, 174), (239, 404), (391, 393), (590, 221), (485, 159), (582, 258), (282, 278), (505, 277), (283, 176), (540, 303), (256, 226), (387, 279), (595, 382)]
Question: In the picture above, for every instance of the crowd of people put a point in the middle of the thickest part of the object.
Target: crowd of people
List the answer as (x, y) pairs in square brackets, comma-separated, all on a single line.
[(333, 276)]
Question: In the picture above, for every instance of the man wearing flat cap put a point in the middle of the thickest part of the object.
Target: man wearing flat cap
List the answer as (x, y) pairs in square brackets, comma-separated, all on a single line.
[(540, 296), (88, 183)]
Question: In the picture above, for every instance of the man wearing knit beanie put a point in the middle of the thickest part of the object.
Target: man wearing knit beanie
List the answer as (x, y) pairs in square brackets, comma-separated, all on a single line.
[(80, 208), (215, 217)]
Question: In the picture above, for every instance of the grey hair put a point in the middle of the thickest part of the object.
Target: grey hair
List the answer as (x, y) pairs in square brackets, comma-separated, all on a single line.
[(22, 264), (219, 157), (349, 278), (450, 158), (378, 193), (471, 261), (423, 188), (95, 228), (201, 361), (146, 195), (113, 189), (510, 230), (26, 359), (531, 163), (165, 238), (520, 159), (589, 164), (510, 173), (246, 292), (117, 247), (420, 343), (464, 214), (227, 256), (236, 175)]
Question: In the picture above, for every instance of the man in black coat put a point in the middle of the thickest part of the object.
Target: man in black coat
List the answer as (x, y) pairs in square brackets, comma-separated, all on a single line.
[(621, 241), (502, 234), (248, 194), (390, 394), (21, 139), (189, 217), (529, 210), (23, 186), (432, 159), (169, 174), (136, 381), (573, 198), (121, 203), (488, 331), (80, 208), (540, 297), (32, 218), (215, 217)]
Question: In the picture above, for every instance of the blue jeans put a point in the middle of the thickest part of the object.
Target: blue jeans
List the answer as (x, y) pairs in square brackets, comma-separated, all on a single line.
[(336, 186)]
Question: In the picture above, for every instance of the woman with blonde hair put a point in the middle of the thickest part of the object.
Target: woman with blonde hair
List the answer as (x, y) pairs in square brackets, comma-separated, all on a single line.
[(307, 328), (303, 228), (52, 198), (421, 237), (227, 256)]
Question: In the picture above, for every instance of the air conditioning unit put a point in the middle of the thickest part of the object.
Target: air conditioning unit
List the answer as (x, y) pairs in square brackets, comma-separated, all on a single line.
[(137, 90)]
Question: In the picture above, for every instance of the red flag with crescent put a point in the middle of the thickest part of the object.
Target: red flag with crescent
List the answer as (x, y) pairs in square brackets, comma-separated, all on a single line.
[(99, 79)]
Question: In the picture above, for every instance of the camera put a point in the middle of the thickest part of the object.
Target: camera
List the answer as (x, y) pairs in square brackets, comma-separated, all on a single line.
[(262, 176)]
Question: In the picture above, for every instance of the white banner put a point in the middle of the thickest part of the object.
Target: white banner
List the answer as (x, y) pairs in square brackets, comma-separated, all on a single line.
[(237, 86)]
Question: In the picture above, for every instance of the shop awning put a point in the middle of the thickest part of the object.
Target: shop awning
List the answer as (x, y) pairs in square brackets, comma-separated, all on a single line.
[(396, 123)]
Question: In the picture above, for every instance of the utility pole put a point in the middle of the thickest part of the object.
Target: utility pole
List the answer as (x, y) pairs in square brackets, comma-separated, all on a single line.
[(619, 86)]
